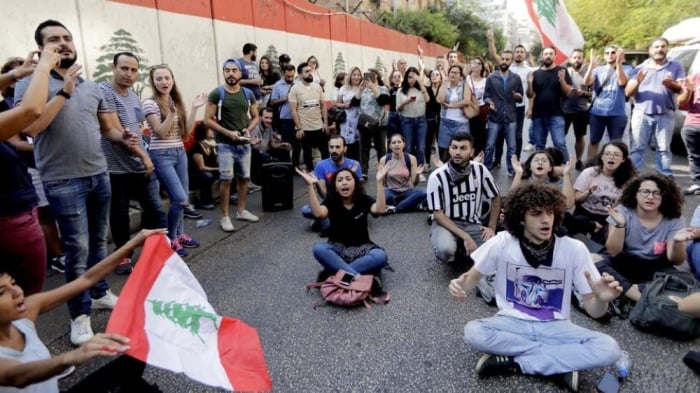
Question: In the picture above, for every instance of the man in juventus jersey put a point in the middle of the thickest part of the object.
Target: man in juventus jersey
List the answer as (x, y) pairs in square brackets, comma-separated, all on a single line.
[(457, 193)]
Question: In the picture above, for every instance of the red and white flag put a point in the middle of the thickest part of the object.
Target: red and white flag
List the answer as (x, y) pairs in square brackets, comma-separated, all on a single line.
[(165, 313), (555, 26)]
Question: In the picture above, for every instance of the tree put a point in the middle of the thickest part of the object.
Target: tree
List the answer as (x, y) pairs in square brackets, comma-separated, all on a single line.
[(430, 24), (271, 54), (339, 65), (121, 41)]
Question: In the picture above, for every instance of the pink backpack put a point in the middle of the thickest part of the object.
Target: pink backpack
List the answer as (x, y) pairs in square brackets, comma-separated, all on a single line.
[(358, 292)]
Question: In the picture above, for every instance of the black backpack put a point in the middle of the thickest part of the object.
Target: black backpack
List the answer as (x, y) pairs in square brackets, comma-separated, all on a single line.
[(657, 313)]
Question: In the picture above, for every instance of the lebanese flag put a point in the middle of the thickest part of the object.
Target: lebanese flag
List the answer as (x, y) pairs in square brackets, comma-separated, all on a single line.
[(165, 313), (555, 26)]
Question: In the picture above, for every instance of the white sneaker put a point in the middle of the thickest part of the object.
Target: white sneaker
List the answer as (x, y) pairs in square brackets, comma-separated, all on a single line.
[(226, 224), (80, 330), (529, 147), (106, 302), (245, 215)]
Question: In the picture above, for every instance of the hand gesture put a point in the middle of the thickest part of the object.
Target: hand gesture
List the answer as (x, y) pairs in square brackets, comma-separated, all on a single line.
[(517, 96), (199, 100), (566, 171), (620, 56), (605, 289), (641, 75), (668, 80), (470, 245), (420, 52), (456, 47), (517, 167), (309, 178), (487, 233), (456, 287), (420, 169), (48, 60), (615, 214), (479, 157), (592, 58), (685, 234), (71, 77), (101, 344), (489, 34), (561, 75), (143, 234), (394, 64), (130, 139), (381, 172)]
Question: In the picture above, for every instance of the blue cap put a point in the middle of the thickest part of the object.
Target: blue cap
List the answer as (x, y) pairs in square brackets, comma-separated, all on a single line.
[(234, 61)]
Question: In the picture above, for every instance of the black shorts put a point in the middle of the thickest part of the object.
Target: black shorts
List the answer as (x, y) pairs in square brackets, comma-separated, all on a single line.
[(579, 120)]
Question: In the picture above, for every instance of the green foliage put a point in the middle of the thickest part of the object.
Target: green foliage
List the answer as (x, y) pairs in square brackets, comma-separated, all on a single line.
[(339, 65), (630, 23), (271, 53), (472, 31), (121, 41)]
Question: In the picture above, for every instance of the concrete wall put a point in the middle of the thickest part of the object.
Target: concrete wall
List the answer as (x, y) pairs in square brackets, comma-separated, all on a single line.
[(195, 36)]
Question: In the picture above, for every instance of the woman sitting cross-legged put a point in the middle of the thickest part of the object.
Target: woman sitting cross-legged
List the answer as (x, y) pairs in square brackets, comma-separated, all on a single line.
[(347, 207), (402, 172), (26, 363), (646, 233)]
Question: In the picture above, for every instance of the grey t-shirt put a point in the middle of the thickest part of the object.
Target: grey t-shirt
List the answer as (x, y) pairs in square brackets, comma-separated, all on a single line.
[(253, 73), (643, 242), (69, 147), (128, 108)]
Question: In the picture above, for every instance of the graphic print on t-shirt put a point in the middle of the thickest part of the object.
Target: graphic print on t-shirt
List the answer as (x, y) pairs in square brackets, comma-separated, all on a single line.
[(537, 292)]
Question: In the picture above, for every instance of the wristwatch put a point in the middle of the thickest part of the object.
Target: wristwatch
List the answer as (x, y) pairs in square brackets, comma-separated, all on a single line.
[(63, 94)]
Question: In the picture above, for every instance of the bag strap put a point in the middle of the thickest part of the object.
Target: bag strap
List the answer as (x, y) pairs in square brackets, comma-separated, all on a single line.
[(222, 93)]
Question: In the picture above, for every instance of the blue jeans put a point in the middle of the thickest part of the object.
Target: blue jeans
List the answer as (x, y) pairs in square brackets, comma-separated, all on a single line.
[(447, 129), (171, 168), (393, 124), (499, 131), (644, 127), (693, 251), (542, 347), (81, 208), (324, 223), (414, 129), (554, 125), (614, 124), (327, 255), (691, 139), (405, 200)]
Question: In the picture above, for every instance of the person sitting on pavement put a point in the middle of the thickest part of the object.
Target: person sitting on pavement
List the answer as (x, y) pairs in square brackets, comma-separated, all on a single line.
[(324, 170), (693, 249), (400, 190), (647, 233), (347, 206), (598, 187), (532, 332), (203, 165), (266, 145), (26, 363), (690, 305), (540, 168)]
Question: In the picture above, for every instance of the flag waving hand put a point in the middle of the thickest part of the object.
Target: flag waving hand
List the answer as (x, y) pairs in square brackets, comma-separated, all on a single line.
[(165, 313)]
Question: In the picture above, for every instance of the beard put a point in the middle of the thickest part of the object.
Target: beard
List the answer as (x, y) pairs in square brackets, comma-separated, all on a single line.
[(577, 66), (309, 78), (547, 62), (67, 62), (231, 81), (253, 57), (336, 156), (503, 67)]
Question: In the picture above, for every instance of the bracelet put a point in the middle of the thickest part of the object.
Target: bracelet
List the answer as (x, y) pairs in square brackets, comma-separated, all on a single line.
[(63, 94), (619, 226)]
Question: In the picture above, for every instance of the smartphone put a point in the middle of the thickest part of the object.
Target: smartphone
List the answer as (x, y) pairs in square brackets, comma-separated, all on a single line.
[(608, 384), (370, 76), (347, 279)]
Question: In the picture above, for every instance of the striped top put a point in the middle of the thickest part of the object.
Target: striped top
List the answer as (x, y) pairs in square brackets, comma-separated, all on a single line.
[(462, 201), (128, 109), (173, 139)]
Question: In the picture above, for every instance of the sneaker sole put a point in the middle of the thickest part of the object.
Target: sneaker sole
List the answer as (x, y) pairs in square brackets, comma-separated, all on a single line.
[(189, 245), (57, 269)]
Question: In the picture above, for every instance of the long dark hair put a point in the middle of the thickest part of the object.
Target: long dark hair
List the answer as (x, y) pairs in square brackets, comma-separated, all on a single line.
[(527, 172), (625, 171), (671, 199), (405, 84), (333, 195)]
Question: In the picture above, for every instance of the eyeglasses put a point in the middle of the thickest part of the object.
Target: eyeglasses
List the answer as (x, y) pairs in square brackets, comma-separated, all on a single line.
[(612, 155), (647, 193), (540, 160), (610, 52)]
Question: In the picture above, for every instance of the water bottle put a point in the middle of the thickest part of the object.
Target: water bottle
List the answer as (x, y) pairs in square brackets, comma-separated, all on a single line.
[(623, 366), (202, 222)]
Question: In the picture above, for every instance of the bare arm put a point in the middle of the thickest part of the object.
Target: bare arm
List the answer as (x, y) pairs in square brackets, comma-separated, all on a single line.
[(319, 211), (675, 251), (493, 52)]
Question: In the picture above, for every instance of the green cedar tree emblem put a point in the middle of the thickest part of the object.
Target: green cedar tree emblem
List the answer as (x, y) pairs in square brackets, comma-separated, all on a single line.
[(184, 315), (547, 9)]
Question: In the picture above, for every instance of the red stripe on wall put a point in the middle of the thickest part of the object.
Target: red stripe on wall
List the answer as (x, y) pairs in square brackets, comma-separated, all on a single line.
[(296, 17)]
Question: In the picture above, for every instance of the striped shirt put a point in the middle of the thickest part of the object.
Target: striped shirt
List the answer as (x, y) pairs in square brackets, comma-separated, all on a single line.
[(128, 109), (173, 139), (462, 201)]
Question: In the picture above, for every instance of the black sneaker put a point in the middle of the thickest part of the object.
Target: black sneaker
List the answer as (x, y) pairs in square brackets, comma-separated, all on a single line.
[(568, 380), (492, 365), (692, 360), (579, 165), (191, 213), (620, 307), (58, 264)]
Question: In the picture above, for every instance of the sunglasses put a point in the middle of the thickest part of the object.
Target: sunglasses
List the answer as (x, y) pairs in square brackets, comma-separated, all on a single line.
[(157, 66)]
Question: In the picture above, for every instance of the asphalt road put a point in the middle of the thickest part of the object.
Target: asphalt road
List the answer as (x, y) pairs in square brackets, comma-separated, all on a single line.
[(413, 344)]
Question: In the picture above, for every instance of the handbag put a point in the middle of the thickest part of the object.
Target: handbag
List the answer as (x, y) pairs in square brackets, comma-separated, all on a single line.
[(355, 294), (657, 313), (338, 116), (368, 121)]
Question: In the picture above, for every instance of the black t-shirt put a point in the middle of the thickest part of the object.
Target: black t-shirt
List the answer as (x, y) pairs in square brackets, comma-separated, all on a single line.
[(392, 93), (209, 160), (432, 107), (17, 193), (349, 227), (548, 94)]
